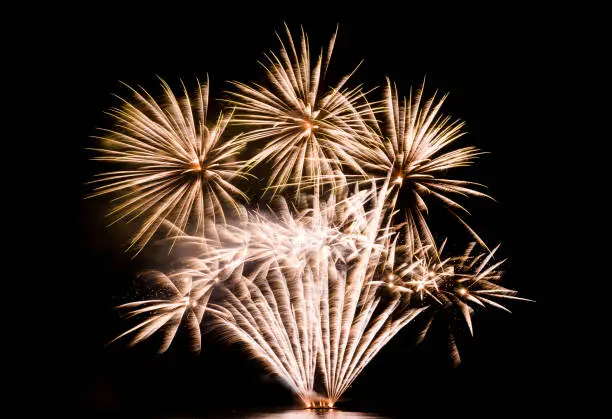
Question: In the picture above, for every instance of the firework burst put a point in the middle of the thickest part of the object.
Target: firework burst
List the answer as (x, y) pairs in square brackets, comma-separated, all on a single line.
[(411, 147), (308, 130), (455, 283), (173, 165), (189, 293)]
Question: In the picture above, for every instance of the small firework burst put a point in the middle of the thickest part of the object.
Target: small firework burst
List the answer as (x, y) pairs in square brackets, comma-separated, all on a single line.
[(456, 283)]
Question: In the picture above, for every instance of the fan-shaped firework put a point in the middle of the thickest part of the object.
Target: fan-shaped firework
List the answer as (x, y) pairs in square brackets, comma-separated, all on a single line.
[(307, 306), (314, 295), (173, 166), (308, 132)]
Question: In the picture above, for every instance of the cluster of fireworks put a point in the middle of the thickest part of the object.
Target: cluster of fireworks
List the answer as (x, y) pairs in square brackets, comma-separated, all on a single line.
[(342, 256)]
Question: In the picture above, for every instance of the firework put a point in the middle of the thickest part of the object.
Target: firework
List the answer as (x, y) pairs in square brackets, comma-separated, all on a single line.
[(313, 287), (455, 283), (307, 309), (411, 147), (315, 294), (298, 290), (308, 130), (189, 292), (173, 166)]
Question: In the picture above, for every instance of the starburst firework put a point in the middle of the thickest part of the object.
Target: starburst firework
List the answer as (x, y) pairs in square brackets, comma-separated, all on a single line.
[(309, 131), (173, 165)]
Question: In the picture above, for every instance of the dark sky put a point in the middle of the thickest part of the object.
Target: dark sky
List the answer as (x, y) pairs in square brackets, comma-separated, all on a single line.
[(495, 63)]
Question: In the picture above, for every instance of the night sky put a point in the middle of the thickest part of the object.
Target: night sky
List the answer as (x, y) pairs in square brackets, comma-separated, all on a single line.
[(494, 65)]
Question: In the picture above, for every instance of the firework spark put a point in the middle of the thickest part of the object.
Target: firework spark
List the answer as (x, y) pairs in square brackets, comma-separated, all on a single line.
[(174, 166)]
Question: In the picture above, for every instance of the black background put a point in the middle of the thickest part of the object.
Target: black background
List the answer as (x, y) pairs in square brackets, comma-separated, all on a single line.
[(496, 63)]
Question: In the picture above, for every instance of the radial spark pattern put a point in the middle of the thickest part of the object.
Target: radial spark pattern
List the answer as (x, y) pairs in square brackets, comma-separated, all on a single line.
[(173, 166), (411, 146), (308, 129)]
